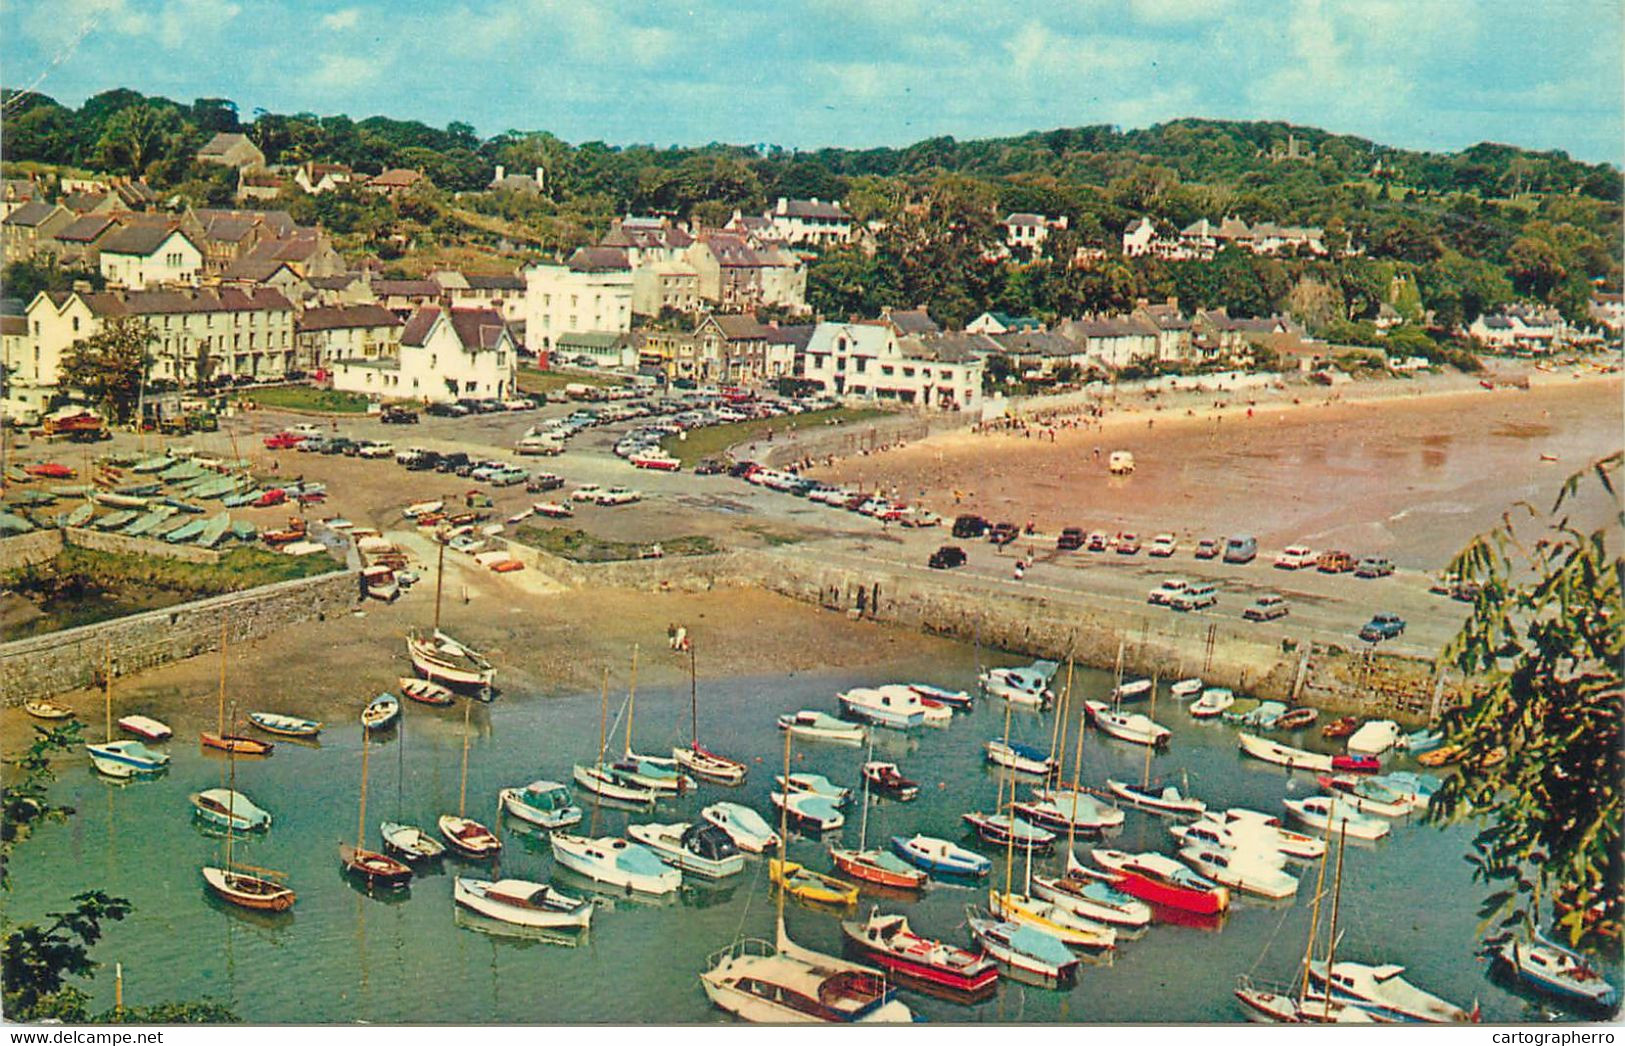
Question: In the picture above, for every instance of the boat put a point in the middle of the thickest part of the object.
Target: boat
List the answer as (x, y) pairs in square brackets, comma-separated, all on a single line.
[(887, 778), (1020, 686), (1264, 715), (229, 809), (215, 531), (258, 892), (544, 803), (809, 809), (817, 784), (1417, 789), (895, 707), (1297, 719), (1132, 690), (1024, 950), (1356, 764), (1239, 708), (1441, 756), (1187, 688), (422, 508), (1066, 808), (1022, 758), (940, 857), (1374, 738), (1382, 991), (1283, 755), (804, 884), (658, 773), (744, 826), (1420, 741), (1165, 800), (817, 726), (126, 758), (444, 660), (607, 782), (146, 726), (877, 866), (285, 725), (1056, 920), (235, 744), (47, 710), (374, 869), (781, 982), (1342, 726), (693, 849), (1250, 837), (522, 903), (1000, 829), (1327, 814), (425, 691), (1132, 727), (615, 862), (381, 712), (1091, 895), (922, 962), (1213, 703), (468, 837), (409, 842), (696, 758), (1162, 880), (1365, 795), (937, 714), (1558, 972), (379, 582), (941, 695), (1250, 871)]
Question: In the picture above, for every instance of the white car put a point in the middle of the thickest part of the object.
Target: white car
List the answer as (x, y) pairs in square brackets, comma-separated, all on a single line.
[(372, 448), (1163, 545), (589, 492), (304, 428), (618, 496), (1295, 557), (518, 404), (1164, 594)]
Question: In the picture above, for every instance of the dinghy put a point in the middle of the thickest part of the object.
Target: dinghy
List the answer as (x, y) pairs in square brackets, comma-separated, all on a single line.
[(1331, 816), (381, 712), (940, 857), (521, 903), (1213, 703), (951, 698), (1297, 719), (468, 837), (817, 726), (1132, 727), (615, 862), (693, 849), (1187, 688), (425, 691), (409, 842), (744, 826), (1283, 755), (147, 727), (47, 710), (285, 725), (544, 803), (804, 884)]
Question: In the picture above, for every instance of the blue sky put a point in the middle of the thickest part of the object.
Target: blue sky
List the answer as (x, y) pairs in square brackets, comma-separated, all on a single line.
[(1436, 74)]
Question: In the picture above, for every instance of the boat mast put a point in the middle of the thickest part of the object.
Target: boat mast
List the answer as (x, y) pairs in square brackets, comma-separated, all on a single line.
[(361, 818), (863, 823), (462, 787), (1077, 772), (222, 709), (1058, 758), (1117, 686), (1145, 777), (1314, 925), (1010, 824), (782, 937), (631, 699), (693, 697), (603, 721), (439, 579), (231, 800), (1337, 903), (107, 673)]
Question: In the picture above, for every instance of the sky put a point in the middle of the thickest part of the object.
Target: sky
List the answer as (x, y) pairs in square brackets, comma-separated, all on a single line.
[(1429, 74)]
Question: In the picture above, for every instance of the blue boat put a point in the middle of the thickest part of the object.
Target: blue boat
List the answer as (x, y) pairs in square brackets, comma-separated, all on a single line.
[(126, 758), (940, 857), (381, 712), (1421, 741), (544, 803), (1559, 972), (1265, 715)]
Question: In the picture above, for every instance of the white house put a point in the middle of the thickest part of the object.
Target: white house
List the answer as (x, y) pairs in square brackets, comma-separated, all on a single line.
[(329, 334), (812, 222), (1521, 327), (1114, 341), (1139, 237), (1030, 230), (445, 355), (869, 361), (145, 254), (591, 292)]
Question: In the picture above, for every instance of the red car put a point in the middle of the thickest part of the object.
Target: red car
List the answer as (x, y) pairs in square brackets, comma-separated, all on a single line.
[(49, 470), (271, 497), (283, 441)]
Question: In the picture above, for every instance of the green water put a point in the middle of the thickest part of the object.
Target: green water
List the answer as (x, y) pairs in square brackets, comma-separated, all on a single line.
[(342, 955)]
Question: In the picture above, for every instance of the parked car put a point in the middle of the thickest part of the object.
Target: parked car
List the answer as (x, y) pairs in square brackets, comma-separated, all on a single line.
[(518, 403), (1121, 462), (398, 416), (1127, 544), (313, 445), (1207, 548), (1163, 546), (1004, 533), (509, 477), (1383, 626), (916, 517), (969, 527), (1071, 539), (618, 496), (1241, 549), (447, 410), (451, 462), (541, 482), (305, 428), (283, 441), (1295, 557), (425, 461), (1098, 541), (586, 492), (1170, 587), (1196, 596), (548, 445), (710, 467), (1334, 561), (946, 558), (1373, 566), (374, 448), (1267, 607)]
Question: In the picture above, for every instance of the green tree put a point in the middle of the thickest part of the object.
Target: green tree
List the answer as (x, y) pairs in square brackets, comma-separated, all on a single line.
[(137, 135), (1540, 734), (111, 365), (25, 278)]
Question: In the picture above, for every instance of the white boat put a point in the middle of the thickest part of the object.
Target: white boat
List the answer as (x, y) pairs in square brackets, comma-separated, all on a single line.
[(1164, 800), (521, 903), (146, 726), (781, 982), (1187, 688), (1019, 686), (810, 809), (1023, 949), (817, 784), (1374, 737), (1212, 703), (1063, 808), (444, 660), (1246, 870), (1283, 755), (817, 726), (937, 714), (126, 758), (1261, 829), (693, 849), (1022, 758), (1091, 894), (1417, 789), (1282, 1006), (658, 773), (1558, 971), (606, 783), (895, 706), (744, 826), (1058, 921), (544, 803), (1365, 795), (615, 862), (409, 842), (941, 695), (1383, 991), (1132, 690), (229, 809), (702, 762), (1212, 835), (1317, 811), (1131, 726)]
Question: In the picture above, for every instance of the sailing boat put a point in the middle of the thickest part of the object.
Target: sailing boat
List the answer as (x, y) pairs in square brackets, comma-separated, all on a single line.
[(1166, 800), (238, 743), (406, 841), (696, 758), (1073, 807), (374, 868), (233, 883), (655, 772), (609, 783), (1000, 828), (467, 836), (442, 659), (121, 759), (798, 880), (875, 866)]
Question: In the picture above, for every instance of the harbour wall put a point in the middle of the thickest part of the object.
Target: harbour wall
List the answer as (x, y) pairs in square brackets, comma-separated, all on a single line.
[(25, 550), (40, 546), (40, 666), (842, 441)]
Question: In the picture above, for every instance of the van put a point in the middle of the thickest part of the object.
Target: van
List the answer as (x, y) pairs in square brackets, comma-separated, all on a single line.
[(1242, 549), (1121, 462)]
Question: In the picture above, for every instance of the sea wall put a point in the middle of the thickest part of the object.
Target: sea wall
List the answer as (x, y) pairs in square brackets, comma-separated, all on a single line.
[(72, 659), (843, 440), (82, 537), (24, 550)]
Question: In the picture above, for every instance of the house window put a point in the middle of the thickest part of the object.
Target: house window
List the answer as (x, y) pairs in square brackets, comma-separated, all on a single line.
[(888, 371), (76, 324)]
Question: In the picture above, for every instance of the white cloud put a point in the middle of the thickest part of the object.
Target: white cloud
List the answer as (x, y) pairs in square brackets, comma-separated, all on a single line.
[(344, 71), (345, 18), (183, 22), (1169, 12), (57, 25)]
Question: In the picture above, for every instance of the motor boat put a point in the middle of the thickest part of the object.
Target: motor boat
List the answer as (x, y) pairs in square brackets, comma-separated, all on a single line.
[(1557, 971), (1385, 993), (809, 809), (126, 758), (897, 707), (1246, 870), (1332, 817), (887, 779), (781, 982), (1365, 795), (817, 726), (544, 803), (229, 809), (1019, 686), (694, 849), (1162, 880), (615, 862), (521, 903), (1374, 737), (744, 826), (888, 941)]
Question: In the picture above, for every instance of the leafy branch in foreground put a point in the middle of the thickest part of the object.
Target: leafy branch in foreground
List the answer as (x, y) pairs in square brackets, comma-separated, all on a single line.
[(1540, 736)]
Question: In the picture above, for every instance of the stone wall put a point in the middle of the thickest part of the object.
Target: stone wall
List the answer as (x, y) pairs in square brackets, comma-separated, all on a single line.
[(23, 550), (82, 537), (837, 440), (70, 660)]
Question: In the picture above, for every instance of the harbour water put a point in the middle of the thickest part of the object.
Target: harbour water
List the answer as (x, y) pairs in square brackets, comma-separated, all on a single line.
[(342, 955)]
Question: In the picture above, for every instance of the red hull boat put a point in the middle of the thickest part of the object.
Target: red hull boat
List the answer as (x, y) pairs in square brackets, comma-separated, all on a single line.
[(1163, 881), (932, 966)]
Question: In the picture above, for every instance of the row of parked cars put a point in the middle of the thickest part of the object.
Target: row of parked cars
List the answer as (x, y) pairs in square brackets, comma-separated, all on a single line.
[(874, 506), (308, 439)]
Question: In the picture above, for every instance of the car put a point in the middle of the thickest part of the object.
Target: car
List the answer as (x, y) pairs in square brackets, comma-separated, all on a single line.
[(1207, 548), (451, 462), (374, 448), (618, 496), (1267, 607), (539, 445), (1127, 544), (518, 404), (1242, 548), (743, 469), (398, 416), (969, 527), (915, 518), (710, 467), (305, 428), (1295, 557), (946, 558), (1120, 462), (1334, 561), (1170, 587), (508, 477), (425, 461), (1071, 539), (313, 445), (1004, 533), (1383, 626), (1098, 541), (447, 410), (1196, 595), (586, 492), (409, 455), (1373, 566), (1163, 546), (283, 441)]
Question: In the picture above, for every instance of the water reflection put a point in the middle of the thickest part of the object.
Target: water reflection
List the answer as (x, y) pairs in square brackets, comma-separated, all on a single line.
[(519, 936)]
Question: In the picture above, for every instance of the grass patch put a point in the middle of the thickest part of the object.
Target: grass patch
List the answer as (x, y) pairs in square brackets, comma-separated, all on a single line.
[(772, 536), (307, 397), (582, 547), (713, 440), (533, 380)]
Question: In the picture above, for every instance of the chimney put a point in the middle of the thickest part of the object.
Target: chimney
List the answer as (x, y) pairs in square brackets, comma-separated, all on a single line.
[(501, 170)]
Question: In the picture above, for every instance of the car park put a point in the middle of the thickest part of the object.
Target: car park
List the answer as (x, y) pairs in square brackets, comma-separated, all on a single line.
[(1267, 607), (1163, 546), (969, 527), (1195, 596), (1373, 566), (1295, 557), (1383, 626), (1163, 593), (1071, 539), (1127, 544), (1207, 548), (1334, 561), (1241, 549), (946, 558)]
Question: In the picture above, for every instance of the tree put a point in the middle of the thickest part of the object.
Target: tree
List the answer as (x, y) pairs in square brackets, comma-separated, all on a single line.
[(137, 135), (1540, 735), (25, 278), (111, 365)]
